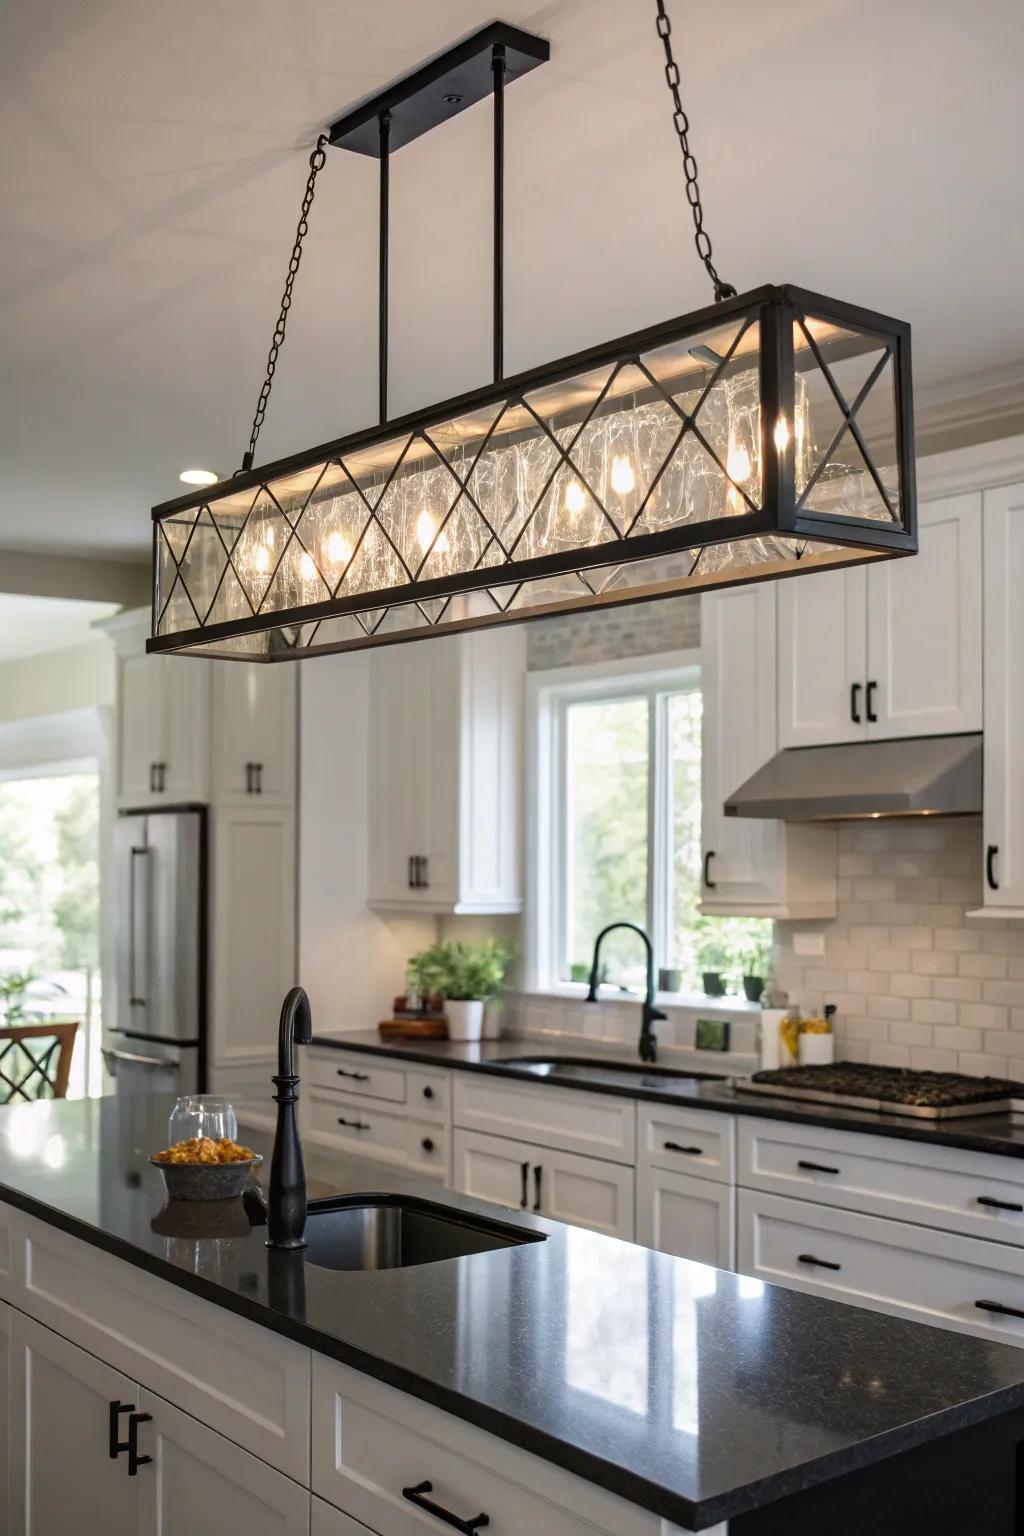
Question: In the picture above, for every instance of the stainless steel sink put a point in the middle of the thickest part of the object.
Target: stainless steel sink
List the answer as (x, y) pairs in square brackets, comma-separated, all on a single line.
[(398, 1231), (595, 1067)]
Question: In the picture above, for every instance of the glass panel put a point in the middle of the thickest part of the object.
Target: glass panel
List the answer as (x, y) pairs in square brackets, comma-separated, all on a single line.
[(606, 814), (830, 459)]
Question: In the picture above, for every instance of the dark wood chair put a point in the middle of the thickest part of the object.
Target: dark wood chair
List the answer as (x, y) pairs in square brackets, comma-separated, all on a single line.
[(35, 1071)]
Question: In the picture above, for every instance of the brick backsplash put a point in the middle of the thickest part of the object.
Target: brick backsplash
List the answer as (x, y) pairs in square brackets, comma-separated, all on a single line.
[(602, 634), (916, 982)]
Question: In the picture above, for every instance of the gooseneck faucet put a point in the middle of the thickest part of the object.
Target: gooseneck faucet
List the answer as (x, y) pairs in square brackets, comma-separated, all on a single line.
[(286, 1207), (647, 1045)]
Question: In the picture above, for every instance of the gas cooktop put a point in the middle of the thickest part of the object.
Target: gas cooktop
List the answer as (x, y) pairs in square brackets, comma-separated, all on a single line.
[(891, 1090)]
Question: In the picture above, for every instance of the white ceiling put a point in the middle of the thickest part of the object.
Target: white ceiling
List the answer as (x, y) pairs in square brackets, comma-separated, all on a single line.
[(154, 158), (31, 625)]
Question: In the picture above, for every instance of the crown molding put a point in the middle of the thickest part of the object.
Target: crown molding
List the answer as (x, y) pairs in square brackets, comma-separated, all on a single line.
[(973, 408)]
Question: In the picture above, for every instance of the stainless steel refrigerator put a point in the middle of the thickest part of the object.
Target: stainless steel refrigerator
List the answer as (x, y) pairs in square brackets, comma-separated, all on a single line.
[(157, 1042)]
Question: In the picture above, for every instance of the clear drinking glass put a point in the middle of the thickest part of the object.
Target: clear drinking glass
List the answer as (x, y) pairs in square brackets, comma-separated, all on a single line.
[(202, 1114)]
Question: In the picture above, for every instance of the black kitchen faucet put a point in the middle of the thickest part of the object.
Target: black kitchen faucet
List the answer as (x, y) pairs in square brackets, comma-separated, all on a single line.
[(647, 1045)]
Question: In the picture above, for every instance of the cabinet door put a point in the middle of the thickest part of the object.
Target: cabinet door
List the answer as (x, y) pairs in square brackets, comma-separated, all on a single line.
[(399, 778), (692, 1218), (925, 628), (62, 1475), (822, 658), (445, 733), (185, 693), (328, 1521), (742, 858), (140, 726), (585, 1192), (491, 1168), (254, 936), (255, 732), (1004, 698), (489, 786), (197, 1481)]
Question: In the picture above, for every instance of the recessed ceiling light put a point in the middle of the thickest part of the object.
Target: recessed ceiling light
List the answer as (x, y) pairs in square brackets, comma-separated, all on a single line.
[(199, 476)]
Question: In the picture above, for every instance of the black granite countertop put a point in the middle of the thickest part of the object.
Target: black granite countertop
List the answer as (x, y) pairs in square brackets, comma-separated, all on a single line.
[(695, 1393), (1000, 1134)]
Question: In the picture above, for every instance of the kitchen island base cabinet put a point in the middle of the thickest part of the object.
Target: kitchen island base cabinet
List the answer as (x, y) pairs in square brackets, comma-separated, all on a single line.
[(583, 1191)]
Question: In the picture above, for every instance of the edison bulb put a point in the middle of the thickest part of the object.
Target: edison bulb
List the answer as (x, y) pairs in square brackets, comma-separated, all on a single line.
[(307, 570), (339, 550), (575, 499), (268, 534), (782, 434), (623, 477), (424, 530), (261, 559), (738, 463)]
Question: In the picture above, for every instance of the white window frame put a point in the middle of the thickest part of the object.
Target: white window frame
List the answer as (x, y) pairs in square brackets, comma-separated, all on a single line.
[(549, 695)]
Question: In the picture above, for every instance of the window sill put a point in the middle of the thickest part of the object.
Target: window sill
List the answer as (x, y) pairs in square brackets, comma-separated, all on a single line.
[(692, 1002)]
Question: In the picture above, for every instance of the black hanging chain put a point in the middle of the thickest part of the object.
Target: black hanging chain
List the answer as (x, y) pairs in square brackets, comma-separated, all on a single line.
[(316, 164), (701, 238)]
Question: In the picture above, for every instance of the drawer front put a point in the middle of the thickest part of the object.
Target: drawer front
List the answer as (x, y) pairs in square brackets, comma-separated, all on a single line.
[(428, 1148), (932, 1277), (371, 1442), (352, 1072), (248, 1383), (357, 1125), (428, 1093), (597, 1125), (687, 1141), (969, 1192)]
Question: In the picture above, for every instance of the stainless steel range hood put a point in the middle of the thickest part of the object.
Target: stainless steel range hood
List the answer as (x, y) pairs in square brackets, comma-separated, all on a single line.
[(922, 776)]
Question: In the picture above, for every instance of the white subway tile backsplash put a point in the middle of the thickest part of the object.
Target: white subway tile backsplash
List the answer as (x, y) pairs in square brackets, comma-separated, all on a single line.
[(915, 982)]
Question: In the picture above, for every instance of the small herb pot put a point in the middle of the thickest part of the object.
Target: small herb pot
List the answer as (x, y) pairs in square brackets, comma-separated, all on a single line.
[(714, 986), (753, 986)]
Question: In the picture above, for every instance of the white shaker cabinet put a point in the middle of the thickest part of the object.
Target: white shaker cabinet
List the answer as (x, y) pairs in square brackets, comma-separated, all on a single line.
[(751, 867), (255, 737), (583, 1191), (892, 649), (692, 1218), (162, 724), (1003, 820), (445, 783)]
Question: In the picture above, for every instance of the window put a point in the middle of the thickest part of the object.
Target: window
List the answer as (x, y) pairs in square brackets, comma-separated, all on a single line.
[(616, 785)]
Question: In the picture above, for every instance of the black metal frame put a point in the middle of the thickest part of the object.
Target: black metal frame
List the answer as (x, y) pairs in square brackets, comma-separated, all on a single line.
[(774, 308)]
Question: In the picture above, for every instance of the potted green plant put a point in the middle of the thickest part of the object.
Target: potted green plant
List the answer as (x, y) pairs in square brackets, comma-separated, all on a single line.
[(713, 960), (467, 976), (756, 963)]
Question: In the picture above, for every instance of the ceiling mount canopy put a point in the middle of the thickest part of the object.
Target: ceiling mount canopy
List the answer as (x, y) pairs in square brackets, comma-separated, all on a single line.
[(766, 435)]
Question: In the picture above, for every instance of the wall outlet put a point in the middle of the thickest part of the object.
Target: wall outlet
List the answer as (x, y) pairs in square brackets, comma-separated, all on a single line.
[(810, 943)]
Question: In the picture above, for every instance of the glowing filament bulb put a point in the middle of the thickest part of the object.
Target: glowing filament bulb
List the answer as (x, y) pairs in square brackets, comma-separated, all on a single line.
[(424, 530), (339, 550), (261, 559), (307, 570), (738, 463), (623, 477), (575, 499), (782, 434), (269, 535)]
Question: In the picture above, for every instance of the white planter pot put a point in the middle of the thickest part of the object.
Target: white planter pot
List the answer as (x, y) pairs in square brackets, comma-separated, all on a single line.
[(465, 1019)]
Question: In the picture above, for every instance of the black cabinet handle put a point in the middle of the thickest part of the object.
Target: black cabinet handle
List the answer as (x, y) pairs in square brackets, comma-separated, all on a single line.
[(1000, 1205), (248, 778), (467, 1527), (410, 882), (808, 1258), (152, 778), (675, 1146), (427, 1144), (815, 1167), (524, 1169), (135, 1461), (855, 703), (425, 873), (997, 1306), (990, 866), (356, 1125), (116, 1444), (709, 883), (357, 1077), (257, 769), (161, 774), (538, 1174), (428, 1093), (869, 701)]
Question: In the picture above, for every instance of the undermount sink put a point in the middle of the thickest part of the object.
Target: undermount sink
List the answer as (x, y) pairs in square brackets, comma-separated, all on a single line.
[(589, 1066), (398, 1231)]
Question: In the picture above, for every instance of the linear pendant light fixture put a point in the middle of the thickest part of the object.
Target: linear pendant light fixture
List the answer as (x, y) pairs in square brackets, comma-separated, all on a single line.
[(769, 434)]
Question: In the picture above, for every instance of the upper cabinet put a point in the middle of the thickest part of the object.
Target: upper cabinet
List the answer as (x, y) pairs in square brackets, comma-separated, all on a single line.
[(254, 739), (750, 867), (161, 727), (890, 650), (1003, 820), (445, 785)]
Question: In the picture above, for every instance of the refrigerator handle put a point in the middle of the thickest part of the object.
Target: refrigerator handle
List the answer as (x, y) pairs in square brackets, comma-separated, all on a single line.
[(137, 997)]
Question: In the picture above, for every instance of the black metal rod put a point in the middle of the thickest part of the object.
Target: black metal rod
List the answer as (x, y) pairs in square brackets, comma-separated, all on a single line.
[(385, 188), (498, 66)]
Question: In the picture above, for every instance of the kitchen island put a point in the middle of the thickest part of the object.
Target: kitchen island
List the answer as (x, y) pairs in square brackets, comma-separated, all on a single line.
[(572, 1385)]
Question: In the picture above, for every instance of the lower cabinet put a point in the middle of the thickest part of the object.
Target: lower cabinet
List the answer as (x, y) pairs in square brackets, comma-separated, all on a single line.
[(325, 1520), (691, 1218), (583, 1191), (94, 1454)]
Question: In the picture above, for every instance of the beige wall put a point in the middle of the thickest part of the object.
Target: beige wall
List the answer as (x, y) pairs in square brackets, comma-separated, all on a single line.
[(51, 684)]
